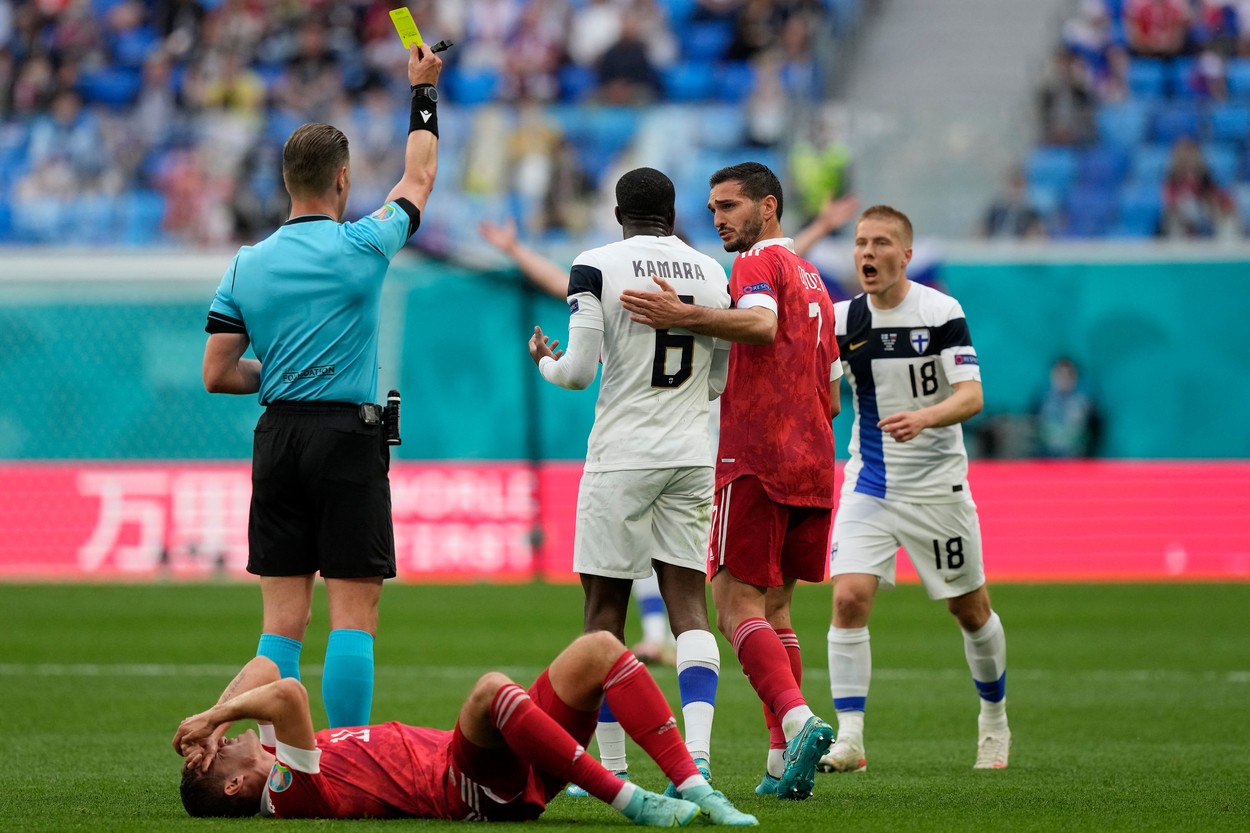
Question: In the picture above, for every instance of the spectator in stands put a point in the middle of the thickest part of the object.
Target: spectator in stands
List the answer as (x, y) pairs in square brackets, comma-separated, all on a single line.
[(1194, 204), (1012, 215), (312, 78), (595, 27), (1156, 28), (1067, 104), (1067, 419), (626, 73), (68, 135), (532, 53)]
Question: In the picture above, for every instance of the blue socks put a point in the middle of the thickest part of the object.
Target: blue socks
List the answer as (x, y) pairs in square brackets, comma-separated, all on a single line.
[(283, 651), (347, 679)]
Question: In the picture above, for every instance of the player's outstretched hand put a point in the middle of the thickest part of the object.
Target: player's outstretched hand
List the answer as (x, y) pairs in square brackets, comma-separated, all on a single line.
[(541, 346), (661, 310), (501, 236)]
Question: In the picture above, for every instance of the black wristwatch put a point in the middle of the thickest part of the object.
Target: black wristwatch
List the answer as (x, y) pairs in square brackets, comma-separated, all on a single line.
[(426, 91)]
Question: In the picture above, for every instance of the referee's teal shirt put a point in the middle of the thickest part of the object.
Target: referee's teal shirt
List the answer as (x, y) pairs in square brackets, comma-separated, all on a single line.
[(309, 298)]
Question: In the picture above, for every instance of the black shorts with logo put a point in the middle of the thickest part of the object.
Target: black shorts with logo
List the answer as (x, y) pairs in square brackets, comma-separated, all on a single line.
[(321, 494)]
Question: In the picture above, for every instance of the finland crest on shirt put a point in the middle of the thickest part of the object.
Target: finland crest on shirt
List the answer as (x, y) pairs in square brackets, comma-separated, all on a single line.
[(904, 359)]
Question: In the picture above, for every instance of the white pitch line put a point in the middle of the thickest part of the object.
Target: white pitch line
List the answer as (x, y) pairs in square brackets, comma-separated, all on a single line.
[(52, 669)]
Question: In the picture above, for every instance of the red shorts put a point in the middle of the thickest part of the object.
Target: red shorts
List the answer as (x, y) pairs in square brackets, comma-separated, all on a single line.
[(763, 543), (496, 784)]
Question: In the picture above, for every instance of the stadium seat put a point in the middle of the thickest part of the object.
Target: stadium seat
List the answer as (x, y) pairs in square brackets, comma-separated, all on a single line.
[(1181, 78), (110, 86), (689, 81), (1222, 161), (705, 41), (1147, 77), (1102, 165), (734, 81), (1088, 211), (1140, 208), (1150, 163), (1051, 165), (721, 126), (1237, 75), (577, 83), (1231, 123), (1175, 119), (141, 214), (472, 85), (1123, 124)]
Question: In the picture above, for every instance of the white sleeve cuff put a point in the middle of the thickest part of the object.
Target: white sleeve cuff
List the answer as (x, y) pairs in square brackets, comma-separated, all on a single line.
[(757, 299), (268, 737), (577, 367), (301, 760)]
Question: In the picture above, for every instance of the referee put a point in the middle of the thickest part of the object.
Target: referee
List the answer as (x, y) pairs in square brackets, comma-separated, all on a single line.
[(307, 300)]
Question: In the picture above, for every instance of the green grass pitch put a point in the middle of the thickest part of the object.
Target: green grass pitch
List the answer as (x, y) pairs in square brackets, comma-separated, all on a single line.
[(1130, 704)]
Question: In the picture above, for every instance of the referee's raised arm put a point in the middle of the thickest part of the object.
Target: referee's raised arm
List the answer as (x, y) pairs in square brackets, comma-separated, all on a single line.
[(421, 153)]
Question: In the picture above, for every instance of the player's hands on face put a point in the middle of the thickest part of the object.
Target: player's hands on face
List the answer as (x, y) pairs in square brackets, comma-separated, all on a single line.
[(903, 426), (196, 732), (424, 66), (660, 310), (541, 346)]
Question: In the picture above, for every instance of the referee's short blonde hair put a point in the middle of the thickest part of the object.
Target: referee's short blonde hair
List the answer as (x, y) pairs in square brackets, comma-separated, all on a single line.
[(311, 158)]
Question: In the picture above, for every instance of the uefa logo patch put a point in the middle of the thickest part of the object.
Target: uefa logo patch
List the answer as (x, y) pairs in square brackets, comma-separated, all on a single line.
[(384, 213), (279, 778)]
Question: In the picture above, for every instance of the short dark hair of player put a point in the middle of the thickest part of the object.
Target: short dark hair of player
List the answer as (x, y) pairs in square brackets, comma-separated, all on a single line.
[(311, 158), (646, 194), (204, 795), (756, 181), (885, 212)]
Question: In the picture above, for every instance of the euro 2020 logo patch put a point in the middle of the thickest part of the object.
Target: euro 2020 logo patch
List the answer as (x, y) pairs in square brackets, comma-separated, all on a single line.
[(384, 213), (279, 778)]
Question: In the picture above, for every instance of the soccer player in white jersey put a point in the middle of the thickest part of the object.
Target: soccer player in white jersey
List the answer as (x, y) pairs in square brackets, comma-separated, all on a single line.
[(909, 360), (646, 493)]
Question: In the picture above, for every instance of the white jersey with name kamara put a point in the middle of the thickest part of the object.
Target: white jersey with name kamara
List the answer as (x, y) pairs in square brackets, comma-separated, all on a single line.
[(652, 410), (905, 359)]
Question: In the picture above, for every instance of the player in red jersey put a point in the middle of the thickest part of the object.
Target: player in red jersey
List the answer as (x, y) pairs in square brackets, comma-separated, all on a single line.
[(775, 468), (510, 753)]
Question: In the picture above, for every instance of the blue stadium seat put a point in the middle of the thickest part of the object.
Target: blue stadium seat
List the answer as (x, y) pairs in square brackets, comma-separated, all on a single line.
[(1140, 207), (1123, 124), (472, 85), (577, 83), (1222, 161), (1150, 163), (1147, 77), (1175, 119), (1181, 76), (679, 11), (705, 41), (721, 126), (141, 213), (734, 81), (1237, 74), (1051, 166), (689, 81), (1102, 165), (1231, 123), (1088, 211), (112, 86)]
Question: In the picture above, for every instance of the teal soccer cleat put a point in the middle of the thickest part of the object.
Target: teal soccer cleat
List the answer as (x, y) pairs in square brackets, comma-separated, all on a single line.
[(803, 752)]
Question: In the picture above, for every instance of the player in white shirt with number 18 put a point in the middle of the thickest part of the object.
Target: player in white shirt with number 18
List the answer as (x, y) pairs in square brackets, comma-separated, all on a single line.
[(908, 357)]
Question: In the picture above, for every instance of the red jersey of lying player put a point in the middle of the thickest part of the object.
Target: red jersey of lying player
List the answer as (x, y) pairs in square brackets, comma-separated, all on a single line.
[(776, 420)]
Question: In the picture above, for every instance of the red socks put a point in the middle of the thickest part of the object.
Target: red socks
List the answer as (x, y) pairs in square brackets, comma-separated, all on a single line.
[(768, 664), (643, 713), (544, 744), (789, 641)]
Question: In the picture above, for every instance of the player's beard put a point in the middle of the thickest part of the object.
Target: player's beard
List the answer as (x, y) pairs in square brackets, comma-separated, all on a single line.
[(748, 236)]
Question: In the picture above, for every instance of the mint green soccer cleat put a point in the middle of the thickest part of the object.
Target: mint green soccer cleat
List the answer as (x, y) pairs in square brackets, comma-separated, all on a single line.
[(574, 791), (768, 786), (654, 810), (802, 754), (705, 769), (717, 809)]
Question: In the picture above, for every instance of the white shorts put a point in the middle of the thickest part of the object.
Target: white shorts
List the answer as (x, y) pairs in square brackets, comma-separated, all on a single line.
[(943, 541), (627, 518)]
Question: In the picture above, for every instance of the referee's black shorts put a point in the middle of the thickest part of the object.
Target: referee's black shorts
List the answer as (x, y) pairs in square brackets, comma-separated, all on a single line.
[(321, 494)]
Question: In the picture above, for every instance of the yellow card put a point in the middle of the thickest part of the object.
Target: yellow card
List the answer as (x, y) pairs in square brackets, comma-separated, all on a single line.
[(407, 28)]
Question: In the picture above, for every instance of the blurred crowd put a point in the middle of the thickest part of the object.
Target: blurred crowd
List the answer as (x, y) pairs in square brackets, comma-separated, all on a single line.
[(1158, 92), (140, 121)]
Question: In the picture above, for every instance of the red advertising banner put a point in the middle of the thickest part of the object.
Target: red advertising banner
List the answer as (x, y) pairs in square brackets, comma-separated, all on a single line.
[(1042, 521)]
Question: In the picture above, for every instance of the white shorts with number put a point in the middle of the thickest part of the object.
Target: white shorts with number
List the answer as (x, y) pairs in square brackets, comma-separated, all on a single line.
[(627, 518), (943, 541)]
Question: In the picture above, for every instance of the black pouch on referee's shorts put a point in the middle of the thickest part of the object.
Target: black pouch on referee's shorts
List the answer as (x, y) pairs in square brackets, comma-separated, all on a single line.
[(370, 414)]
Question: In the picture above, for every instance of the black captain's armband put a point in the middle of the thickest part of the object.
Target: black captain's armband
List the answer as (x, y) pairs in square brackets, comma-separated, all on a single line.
[(424, 114), (414, 214)]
